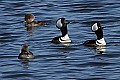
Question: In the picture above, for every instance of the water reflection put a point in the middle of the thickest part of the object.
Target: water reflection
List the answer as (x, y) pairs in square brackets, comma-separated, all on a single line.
[(100, 49), (25, 63), (66, 55), (65, 50), (64, 61), (25, 55), (66, 44), (30, 28)]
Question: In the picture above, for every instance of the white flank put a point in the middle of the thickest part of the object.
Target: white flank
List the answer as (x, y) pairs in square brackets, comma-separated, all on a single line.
[(101, 42), (64, 39)]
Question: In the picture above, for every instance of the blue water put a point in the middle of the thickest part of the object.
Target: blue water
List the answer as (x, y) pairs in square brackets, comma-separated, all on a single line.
[(57, 61)]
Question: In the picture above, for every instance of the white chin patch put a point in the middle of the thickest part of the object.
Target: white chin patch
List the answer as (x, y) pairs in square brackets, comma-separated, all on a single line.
[(94, 27), (59, 24)]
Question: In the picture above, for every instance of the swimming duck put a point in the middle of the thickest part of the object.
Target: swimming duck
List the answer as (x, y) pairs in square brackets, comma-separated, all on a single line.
[(25, 53), (100, 41), (30, 21), (62, 25)]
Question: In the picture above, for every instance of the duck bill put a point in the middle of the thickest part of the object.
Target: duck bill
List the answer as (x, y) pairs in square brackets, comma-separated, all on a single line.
[(67, 22)]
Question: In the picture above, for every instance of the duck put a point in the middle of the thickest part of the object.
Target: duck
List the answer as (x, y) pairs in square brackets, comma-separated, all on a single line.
[(61, 24), (98, 30), (30, 21), (25, 53)]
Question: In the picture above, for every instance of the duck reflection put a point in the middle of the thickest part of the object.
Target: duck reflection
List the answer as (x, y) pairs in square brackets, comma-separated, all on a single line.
[(100, 49), (97, 49), (66, 44), (25, 55)]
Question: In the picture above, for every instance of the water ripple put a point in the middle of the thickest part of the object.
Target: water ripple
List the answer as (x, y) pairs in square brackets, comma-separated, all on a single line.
[(59, 61)]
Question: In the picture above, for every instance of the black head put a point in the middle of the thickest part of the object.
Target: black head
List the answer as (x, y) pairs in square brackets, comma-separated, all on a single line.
[(97, 28), (62, 25), (61, 22)]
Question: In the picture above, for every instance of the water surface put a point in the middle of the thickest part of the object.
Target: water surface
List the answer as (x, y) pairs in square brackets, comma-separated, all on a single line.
[(57, 61)]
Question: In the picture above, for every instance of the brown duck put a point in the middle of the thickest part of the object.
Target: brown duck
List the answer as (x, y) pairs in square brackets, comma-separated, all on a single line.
[(30, 21), (25, 53)]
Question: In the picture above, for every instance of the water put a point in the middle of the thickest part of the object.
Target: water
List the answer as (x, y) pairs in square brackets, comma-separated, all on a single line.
[(59, 62)]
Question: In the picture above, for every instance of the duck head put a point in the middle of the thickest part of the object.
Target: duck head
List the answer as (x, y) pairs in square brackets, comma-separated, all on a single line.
[(29, 18), (97, 28), (62, 25), (24, 49)]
